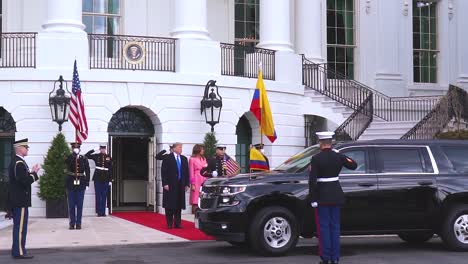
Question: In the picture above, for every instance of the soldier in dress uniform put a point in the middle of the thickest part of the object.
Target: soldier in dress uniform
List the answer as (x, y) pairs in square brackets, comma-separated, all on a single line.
[(162, 154), (327, 196), (102, 177), (217, 166), (77, 182), (19, 198)]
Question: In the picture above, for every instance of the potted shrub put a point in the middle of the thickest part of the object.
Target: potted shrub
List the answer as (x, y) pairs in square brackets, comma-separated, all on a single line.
[(52, 182), (210, 142)]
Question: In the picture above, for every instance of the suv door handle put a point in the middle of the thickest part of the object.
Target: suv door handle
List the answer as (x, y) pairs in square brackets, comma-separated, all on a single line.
[(425, 183), (366, 184)]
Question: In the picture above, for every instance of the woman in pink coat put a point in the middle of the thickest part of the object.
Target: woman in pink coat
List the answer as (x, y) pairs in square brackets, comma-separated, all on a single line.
[(196, 163)]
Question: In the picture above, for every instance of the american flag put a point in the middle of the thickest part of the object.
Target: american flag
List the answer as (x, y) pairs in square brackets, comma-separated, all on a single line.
[(232, 167), (77, 111)]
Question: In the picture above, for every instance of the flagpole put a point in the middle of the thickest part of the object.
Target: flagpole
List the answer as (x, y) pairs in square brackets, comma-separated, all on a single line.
[(261, 109)]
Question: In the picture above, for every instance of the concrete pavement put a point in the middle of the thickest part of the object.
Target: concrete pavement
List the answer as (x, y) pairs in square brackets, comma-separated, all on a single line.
[(97, 231)]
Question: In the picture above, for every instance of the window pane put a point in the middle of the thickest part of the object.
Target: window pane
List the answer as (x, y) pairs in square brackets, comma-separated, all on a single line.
[(331, 4), (239, 12), (350, 5), (113, 26), (401, 160), (239, 31), (340, 55), (349, 20), (99, 25), (331, 36), (114, 7), (331, 57), (340, 4), (87, 5), (88, 22), (99, 6), (359, 156), (457, 157), (416, 41)]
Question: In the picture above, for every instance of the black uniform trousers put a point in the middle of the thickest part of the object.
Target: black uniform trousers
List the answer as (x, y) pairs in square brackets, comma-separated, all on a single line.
[(174, 216), (20, 230)]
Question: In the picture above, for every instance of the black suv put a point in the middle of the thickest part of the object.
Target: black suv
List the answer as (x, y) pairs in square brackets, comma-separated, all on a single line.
[(414, 189)]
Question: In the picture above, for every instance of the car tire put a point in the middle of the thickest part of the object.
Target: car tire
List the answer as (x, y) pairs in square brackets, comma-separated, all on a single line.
[(273, 231), (455, 228), (415, 237)]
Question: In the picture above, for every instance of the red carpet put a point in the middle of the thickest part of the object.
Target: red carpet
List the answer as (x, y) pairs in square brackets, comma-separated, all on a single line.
[(158, 222)]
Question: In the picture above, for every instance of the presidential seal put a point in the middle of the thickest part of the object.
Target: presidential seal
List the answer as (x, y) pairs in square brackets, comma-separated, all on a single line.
[(134, 52)]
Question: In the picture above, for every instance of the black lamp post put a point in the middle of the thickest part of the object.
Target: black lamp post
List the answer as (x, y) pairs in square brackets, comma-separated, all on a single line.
[(211, 103), (59, 103)]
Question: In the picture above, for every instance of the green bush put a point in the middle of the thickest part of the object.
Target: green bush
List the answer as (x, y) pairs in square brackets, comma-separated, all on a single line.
[(52, 182), (462, 134), (210, 142)]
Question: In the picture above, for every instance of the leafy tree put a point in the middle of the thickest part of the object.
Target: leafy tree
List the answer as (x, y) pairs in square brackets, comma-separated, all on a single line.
[(210, 142), (52, 182)]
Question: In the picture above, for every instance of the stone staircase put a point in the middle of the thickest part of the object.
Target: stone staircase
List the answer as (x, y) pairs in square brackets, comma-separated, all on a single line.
[(332, 110), (381, 129)]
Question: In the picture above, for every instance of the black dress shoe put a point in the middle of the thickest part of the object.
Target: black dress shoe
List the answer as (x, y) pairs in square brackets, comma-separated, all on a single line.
[(23, 257), (169, 227), (71, 227), (178, 227), (78, 227)]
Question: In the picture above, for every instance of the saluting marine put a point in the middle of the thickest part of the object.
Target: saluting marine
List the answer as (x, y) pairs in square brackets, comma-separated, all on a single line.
[(327, 196), (20, 197), (102, 177), (77, 182)]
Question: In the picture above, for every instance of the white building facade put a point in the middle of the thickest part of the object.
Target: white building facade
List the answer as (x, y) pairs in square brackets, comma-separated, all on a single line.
[(141, 99)]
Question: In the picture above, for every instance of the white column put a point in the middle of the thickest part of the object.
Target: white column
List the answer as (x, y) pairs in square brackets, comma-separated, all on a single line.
[(459, 9), (275, 25), (64, 16), (389, 52), (190, 19), (310, 29)]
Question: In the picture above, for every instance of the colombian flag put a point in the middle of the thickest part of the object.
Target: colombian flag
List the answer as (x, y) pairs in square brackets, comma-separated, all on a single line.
[(257, 160), (260, 107)]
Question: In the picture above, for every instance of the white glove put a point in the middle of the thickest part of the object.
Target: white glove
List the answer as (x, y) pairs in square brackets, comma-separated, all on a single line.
[(336, 150), (87, 188), (314, 204), (110, 183), (214, 173)]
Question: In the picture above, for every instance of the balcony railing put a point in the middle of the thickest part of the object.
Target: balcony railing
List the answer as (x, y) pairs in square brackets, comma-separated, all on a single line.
[(131, 52), (18, 50), (243, 61)]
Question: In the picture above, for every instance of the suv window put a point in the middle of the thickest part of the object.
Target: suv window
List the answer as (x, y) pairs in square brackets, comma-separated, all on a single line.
[(359, 156), (402, 160), (457, 157)]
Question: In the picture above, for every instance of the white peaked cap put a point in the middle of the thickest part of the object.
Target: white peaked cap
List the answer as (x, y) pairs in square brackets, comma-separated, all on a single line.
[(325, 135)]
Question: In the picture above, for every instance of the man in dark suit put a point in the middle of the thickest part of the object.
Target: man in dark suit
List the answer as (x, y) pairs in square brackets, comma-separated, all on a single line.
[(19, 199), (77, 182), (175, 182), (327, 197)]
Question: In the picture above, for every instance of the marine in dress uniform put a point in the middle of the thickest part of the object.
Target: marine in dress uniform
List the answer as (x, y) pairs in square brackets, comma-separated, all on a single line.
[(19, 198), (162, 154), (102, 177), (216, 166), (327, 197), (77, 182)]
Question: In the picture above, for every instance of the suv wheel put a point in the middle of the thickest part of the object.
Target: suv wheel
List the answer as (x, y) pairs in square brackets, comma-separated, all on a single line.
[(415, 237), (455, 228), (273, 231)]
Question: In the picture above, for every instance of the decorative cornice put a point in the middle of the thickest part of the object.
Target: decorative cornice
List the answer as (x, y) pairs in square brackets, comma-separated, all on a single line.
[(368, 6), (405, 8), (450, 9)]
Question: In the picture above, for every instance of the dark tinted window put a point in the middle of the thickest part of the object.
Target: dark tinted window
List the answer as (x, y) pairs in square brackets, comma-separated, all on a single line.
[(458, 157), (401, 160), (359, 156)]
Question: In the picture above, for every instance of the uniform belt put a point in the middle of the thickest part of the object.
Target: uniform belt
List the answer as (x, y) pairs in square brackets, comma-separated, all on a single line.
[(75, 174), (101, 168), (328, 179)]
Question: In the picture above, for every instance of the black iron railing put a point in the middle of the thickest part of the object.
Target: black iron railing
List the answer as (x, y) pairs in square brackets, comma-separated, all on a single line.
[(454, 104), (18, 50), (345, 91), (243, 61), (131, 52)]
